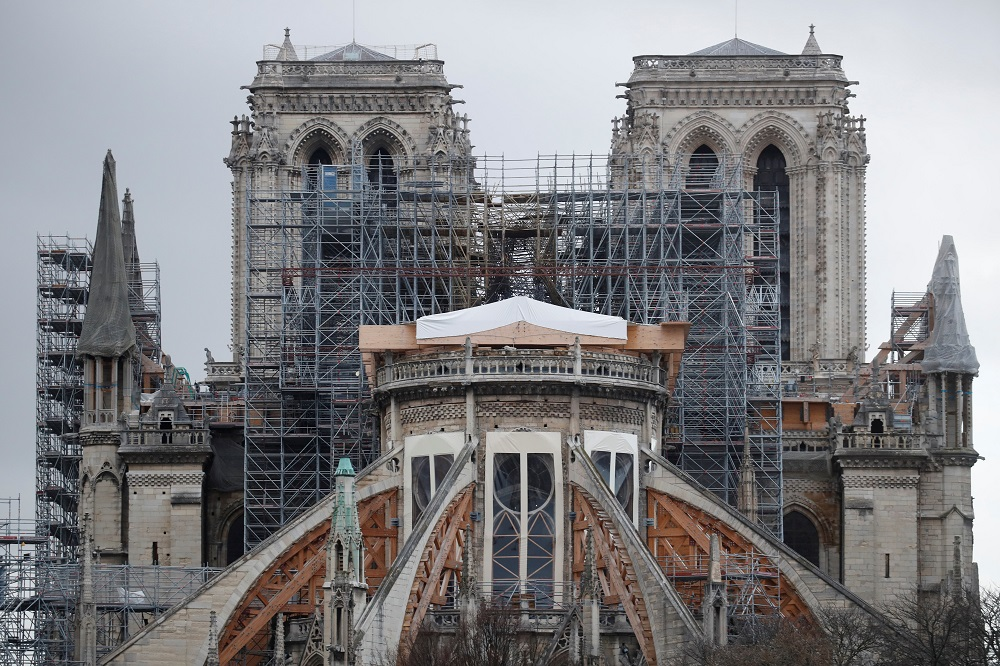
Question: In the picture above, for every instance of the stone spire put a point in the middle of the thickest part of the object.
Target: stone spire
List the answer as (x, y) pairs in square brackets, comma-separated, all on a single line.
[(714, 601), (812, 46), (948, 349), (287, 51), (746, 500), (107, 327), (279, 640), (590, 600), (130, 250)]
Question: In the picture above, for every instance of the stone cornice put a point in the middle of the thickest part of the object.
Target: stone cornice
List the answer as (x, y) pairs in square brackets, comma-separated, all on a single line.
[(354, 102), (780, 95), (789, 69), (167, 454), (956, 457)]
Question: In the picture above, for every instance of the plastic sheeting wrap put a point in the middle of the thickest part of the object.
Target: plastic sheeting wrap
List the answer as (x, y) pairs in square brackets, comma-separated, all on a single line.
[(949, 349), (226, 472), (520, 308), (107, 326)]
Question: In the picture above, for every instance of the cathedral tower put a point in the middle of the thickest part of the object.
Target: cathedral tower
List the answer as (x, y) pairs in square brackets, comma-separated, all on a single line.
[(388, 112), (787, 117)]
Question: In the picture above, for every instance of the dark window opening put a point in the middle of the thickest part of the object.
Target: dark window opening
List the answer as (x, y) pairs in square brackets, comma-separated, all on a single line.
[(702, 168), (801, 536), (887, 565), (772, 177), (320, 156), (878, 426), (156, 552), (381, 170), (234, 540)]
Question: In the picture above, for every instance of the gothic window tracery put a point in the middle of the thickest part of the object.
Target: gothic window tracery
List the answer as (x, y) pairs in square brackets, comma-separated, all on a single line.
[(524, 522)]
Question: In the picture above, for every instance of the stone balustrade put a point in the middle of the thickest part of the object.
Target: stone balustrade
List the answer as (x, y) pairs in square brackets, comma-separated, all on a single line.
[(623, 370), (805, 440), (157, 437), (884, 441), (776, 62)]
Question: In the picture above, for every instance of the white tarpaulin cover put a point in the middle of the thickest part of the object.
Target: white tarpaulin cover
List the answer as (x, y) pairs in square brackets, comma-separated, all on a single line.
[(520, 308)]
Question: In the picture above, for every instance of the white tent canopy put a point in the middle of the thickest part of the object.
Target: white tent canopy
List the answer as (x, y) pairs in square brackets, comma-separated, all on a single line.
[(520, 308)]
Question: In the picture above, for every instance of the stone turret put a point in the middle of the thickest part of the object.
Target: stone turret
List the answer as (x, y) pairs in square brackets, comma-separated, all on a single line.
[(949, 365), (107, 348)]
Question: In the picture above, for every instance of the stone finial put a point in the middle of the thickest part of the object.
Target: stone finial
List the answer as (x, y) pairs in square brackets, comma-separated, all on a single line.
[(812, 46), (714, 560), (287, 51)]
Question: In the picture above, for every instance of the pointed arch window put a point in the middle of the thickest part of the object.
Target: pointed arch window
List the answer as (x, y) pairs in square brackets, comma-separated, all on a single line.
[(703, 168), (382, 169), (802, 536), (234, 540), (771, 177), (523, 512)]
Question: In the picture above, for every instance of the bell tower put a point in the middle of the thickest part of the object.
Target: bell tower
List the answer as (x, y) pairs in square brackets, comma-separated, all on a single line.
[(387, 112), (786, 116)]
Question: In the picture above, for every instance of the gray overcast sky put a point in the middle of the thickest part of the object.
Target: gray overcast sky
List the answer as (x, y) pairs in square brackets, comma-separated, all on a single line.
[(158, 83)]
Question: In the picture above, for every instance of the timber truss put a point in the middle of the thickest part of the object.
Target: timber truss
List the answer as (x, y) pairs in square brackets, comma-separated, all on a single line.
[(679, 538), (293, 583)]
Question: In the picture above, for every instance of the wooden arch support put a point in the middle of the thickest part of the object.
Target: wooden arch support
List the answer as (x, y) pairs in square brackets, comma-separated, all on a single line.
[(679, 540), (293, 583), (615, 571), (440, 567)]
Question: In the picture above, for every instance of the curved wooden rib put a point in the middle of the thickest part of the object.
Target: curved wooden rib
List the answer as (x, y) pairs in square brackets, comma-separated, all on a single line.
[(440, 567), (381, 537), (614, 568), (293, 583), (680, 543), (289, 586)]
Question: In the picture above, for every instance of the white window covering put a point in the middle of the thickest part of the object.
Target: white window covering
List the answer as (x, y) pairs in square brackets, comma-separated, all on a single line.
[(614, 443), (438, 443), (520, 308)]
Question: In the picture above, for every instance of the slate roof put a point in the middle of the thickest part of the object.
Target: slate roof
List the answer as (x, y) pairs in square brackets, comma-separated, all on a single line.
[(737, 47)]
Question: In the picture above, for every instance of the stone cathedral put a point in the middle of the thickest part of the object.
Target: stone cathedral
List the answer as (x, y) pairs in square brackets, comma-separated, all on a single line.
[(453, 392)]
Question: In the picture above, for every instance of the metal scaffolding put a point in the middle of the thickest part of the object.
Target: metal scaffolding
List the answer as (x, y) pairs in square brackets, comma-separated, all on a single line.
[(63, 283), (648, 241), (19, 547), (44, 613)]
